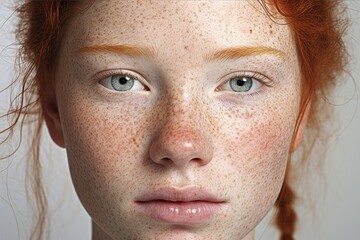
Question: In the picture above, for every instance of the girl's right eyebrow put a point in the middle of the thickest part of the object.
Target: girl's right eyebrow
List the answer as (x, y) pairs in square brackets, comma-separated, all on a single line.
[(243, 51), (125, 49)]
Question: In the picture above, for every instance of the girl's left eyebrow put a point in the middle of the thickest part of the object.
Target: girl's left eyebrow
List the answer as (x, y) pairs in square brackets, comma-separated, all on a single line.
[(243, 51), (220, 54)]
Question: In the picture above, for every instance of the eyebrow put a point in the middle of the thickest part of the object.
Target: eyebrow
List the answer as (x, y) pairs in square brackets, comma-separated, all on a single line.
[(129, 50), (238, 52), (220, 54)]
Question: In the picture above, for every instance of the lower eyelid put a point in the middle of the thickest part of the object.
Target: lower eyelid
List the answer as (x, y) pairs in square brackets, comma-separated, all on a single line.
[(248, 97)]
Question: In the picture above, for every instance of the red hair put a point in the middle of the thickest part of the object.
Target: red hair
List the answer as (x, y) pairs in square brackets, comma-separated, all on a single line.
[(317, 26)]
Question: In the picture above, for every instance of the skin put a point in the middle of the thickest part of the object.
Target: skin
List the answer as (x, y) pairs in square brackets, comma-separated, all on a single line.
[(185, 128)]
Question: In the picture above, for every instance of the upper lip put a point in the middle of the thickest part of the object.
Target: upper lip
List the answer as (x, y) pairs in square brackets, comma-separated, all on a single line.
[(172, 194)]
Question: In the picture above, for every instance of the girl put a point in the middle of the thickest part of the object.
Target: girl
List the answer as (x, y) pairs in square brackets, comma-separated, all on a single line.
[(179, 118)]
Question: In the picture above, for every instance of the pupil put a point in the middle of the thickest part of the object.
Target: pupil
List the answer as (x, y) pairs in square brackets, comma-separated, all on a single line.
[(122, 80), (240, 82)]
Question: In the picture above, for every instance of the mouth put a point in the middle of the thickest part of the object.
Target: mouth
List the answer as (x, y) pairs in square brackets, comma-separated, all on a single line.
[(180, 206)]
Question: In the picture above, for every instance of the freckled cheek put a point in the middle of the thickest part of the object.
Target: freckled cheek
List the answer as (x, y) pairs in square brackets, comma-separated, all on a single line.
[(102, 140), (258, 158), (262, 148)]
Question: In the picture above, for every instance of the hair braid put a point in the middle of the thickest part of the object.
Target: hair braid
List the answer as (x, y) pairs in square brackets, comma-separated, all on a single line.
[(286, 216)]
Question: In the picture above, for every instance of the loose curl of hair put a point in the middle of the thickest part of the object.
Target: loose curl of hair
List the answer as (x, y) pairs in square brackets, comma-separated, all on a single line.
[(318, 28)]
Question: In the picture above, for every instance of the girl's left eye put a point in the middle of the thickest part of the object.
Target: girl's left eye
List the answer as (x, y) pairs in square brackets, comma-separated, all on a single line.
[(122, 82), (242, 84)]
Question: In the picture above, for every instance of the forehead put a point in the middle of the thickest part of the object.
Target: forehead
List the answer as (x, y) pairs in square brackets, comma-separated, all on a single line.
[(182, 26)]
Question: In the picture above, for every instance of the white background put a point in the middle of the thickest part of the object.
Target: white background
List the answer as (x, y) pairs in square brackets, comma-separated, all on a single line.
[(337, 201)]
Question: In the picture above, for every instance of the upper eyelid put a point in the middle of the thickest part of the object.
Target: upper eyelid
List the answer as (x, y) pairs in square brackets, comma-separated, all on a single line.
[(114, 72), (262, 78)]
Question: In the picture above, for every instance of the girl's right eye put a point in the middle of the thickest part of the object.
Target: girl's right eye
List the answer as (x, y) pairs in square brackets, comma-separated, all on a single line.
[(122, 83)]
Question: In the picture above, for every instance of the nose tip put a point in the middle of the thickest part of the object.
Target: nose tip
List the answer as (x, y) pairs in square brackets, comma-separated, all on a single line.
[(181, 148)]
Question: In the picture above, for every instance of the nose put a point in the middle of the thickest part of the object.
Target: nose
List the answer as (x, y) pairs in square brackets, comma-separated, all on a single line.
[(181, 148), (182, 139)]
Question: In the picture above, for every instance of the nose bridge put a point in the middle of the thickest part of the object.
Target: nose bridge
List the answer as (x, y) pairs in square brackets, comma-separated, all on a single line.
[(183, 96), (181, 138), (182, 108)]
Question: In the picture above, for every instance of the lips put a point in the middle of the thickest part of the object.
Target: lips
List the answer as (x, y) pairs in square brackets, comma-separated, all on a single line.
[(191, 205)]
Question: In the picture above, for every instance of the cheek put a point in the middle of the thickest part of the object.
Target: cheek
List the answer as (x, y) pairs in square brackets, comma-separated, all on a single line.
[(101, 143), (263, 159), (257, 146), (262, 147), (258, 137)]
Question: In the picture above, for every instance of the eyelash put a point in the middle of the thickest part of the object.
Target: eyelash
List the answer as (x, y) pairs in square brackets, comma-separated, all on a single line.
[(261, 78)]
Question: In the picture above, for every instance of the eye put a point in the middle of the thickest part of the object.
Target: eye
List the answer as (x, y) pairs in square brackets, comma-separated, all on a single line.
[(122, 82), (243, 84)]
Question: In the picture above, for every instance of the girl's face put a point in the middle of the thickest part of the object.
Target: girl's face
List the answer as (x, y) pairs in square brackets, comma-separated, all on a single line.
[(177, 116)]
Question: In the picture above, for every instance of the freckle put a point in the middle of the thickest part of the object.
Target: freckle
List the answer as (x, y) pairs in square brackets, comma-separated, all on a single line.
[(250, 31)]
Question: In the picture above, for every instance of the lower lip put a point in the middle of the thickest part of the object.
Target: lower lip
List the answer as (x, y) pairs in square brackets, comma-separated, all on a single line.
[(180, 212)]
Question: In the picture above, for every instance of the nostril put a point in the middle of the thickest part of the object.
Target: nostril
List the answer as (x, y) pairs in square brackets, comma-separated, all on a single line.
[(165, 161), (199, 161)]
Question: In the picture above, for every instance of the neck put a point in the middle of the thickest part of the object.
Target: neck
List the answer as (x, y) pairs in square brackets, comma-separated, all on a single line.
[(99, 234), (250, 236)]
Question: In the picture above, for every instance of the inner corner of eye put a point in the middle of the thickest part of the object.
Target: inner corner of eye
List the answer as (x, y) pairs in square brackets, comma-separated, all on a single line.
[(218, 88), (146, 88)]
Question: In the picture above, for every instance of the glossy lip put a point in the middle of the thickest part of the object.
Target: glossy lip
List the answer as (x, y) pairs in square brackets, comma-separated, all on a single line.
[(191, 205)]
